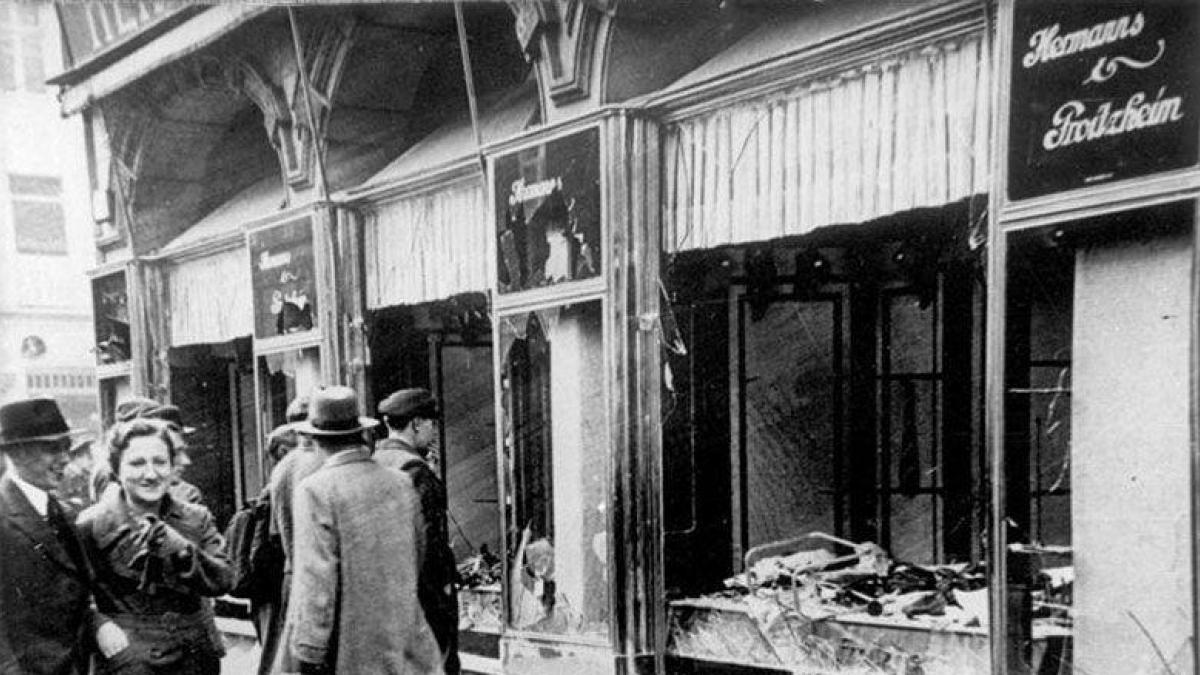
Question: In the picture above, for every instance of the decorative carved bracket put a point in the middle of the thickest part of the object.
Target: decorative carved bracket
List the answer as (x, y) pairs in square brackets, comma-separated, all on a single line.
[(561, 35), (325, 49)]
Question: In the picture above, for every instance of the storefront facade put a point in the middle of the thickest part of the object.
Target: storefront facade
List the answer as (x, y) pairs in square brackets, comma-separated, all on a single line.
[(818, 348)]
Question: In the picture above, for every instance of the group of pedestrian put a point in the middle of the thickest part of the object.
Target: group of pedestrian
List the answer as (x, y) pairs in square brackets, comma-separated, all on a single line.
[(121, 587), (369, 579), (125, 585)]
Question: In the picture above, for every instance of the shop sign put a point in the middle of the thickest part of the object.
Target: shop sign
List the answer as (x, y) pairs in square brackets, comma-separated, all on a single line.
[(1101, 92), (92, 27), (547, 213), (283, 278)]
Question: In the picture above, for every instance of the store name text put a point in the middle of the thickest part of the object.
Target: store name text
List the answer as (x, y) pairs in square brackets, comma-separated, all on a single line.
[(523, 192), (1072, 123), (1047, 45)]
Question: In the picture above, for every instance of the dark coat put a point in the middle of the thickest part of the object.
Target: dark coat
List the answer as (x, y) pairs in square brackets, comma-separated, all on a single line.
[(46, 620), (159, 603), (438, 583), (354, 601)]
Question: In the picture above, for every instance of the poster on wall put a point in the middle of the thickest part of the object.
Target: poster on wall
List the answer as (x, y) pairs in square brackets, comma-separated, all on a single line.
[(284, 279), (1101, 92), (547, 213)]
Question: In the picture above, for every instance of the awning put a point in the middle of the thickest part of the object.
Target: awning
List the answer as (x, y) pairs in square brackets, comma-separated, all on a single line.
[(186, 38), (454, 142), (210, 298), (893, 134)]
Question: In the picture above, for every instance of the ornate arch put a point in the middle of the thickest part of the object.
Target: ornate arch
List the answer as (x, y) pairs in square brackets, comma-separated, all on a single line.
[(561, 36)]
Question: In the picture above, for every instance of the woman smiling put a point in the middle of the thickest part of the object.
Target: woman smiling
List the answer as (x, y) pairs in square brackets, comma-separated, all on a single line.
[(156, 559)]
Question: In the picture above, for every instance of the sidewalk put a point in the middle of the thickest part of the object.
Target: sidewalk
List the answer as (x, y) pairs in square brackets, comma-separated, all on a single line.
[(241, 648)]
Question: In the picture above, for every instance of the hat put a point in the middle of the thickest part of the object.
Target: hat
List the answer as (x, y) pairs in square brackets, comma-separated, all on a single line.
[(406, 402), (134, 407), (36, 419), (284, 435), (297, 409), (171, 414), (333, 411)]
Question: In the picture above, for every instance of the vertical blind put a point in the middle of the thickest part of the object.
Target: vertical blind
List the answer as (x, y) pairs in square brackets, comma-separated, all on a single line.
[(429, 246), (210, 298), (899, 133)]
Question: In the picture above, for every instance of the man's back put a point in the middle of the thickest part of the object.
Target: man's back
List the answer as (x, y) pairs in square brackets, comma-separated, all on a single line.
[(293, 468), (358, 528)]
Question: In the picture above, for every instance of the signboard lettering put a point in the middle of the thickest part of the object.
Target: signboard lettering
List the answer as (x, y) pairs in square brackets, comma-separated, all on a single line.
[(1100, 92), (548, 213), (284, 279)]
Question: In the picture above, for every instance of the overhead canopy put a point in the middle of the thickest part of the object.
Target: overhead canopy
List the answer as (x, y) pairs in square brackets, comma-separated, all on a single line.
[(83, 86), (880, 136), (432, 242), (506, 115)]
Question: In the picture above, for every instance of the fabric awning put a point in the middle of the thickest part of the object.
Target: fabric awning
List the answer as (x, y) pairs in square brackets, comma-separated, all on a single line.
[(429, 246), (210, 298), (888, 136)]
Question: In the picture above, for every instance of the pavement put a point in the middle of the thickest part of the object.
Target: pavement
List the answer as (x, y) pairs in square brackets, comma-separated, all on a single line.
[(241, 648)]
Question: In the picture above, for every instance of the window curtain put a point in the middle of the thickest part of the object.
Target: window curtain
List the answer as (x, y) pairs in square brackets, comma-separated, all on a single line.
[(428, 247), (211, 298), (899, 133)]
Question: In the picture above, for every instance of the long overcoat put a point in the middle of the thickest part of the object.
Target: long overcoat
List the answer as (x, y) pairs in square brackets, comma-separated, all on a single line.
[(354, 603), (438, 581)]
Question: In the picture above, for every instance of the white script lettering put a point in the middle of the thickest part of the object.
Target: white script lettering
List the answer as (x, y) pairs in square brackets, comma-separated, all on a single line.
[(1072, 123), (1047, 45)]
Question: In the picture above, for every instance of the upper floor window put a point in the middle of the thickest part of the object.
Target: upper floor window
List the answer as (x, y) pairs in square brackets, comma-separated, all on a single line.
[(22, 66), (38, 221)]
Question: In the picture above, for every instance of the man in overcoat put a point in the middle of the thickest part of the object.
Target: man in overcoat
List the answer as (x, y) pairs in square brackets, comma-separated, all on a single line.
[(47, 622), (412, 419), (292, 467), (358, 537)]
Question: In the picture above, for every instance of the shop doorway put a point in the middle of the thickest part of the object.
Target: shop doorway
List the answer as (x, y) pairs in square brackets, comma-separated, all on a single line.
[(213, 385), (445, 346)]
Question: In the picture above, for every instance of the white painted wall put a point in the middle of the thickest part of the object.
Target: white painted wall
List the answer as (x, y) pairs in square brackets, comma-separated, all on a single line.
[(42, 295), (1130, 468)]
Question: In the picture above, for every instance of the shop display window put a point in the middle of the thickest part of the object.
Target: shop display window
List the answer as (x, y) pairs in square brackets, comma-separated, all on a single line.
[(548, 213), (110, 306), (830, 395), (556, 460), (283, 376), (113, 390), (1097, 453)]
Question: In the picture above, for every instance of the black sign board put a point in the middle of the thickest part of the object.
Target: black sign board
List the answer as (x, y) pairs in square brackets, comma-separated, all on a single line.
[(284, 279), (548, 213), (1101, 91)]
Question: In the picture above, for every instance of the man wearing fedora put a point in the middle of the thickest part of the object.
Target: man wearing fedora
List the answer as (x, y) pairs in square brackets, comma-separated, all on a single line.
[(412, 419), (46, 619), (358, 535)]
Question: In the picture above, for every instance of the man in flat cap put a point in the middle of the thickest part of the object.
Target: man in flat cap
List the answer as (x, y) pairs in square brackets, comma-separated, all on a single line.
[(412, 420), (46, 619), (353, 608)]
